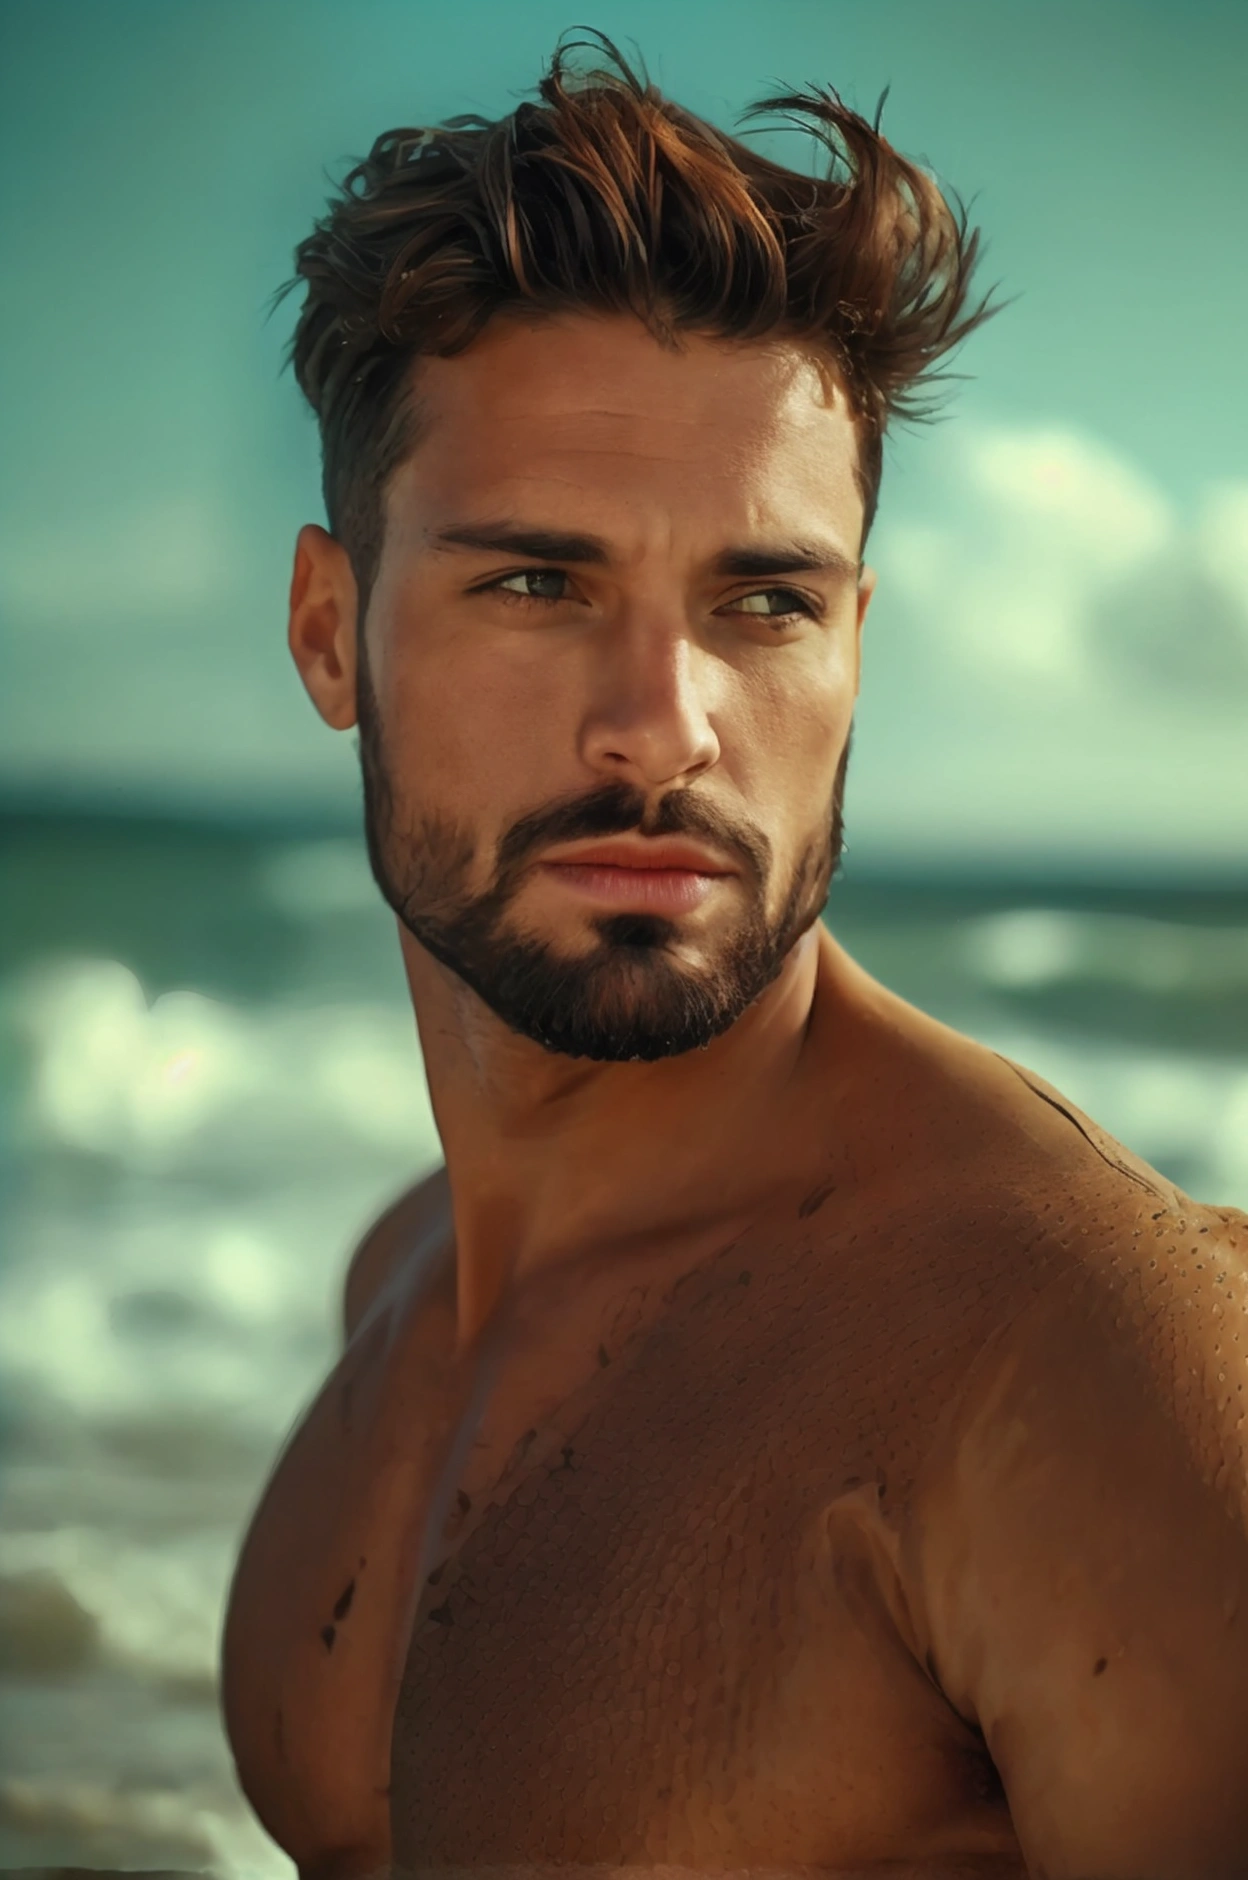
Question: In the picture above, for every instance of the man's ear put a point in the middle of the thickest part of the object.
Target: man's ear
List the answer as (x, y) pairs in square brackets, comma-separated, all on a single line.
[(866, 588), (322, 629)]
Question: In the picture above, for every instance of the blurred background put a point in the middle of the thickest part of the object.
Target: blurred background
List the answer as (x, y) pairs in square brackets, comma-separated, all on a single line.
[(209, 1075)]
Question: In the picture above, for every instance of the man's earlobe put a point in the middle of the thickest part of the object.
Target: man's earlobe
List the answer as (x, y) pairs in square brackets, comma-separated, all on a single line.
[(322, 627)]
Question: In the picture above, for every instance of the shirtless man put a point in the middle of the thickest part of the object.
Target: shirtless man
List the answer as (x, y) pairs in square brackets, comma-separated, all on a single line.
[(784, 1434)]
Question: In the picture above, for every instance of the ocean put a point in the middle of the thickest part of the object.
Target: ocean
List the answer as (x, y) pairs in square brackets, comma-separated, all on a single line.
[(209, 1081)]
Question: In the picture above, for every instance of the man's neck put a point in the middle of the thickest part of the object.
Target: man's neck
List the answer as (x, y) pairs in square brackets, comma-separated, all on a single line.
[(550, 1158)]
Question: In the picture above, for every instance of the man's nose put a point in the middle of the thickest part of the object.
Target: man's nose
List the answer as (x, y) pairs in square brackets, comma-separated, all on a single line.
[(654, 693)]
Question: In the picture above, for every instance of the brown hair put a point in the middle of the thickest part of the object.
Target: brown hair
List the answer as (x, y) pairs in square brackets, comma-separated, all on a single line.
[(607, 197)]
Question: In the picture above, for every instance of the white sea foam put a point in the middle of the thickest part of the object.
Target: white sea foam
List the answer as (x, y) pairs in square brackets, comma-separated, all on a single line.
[(188, 1079), (1038, 946)]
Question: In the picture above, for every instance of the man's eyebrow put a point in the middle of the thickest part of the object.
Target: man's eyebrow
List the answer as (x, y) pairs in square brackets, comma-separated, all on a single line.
[(748, 560)]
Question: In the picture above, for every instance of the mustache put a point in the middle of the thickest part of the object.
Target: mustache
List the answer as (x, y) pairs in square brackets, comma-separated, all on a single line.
[(619, 809)]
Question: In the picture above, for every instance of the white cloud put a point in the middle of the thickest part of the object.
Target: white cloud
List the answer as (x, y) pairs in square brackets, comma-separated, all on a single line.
[(1057, 562), (1222, 537), (1058, 657), (1058, 482)]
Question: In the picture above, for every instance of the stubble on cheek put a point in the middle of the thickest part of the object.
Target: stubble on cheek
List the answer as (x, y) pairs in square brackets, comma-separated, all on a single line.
[(434, 863), (422, 862)]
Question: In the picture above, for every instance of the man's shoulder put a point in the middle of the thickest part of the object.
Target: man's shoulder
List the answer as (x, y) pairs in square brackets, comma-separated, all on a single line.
[(1099, 1210), (1000, 1180), (1091, 1260), (983, 1129), (405, 1231), (1109, 1309)]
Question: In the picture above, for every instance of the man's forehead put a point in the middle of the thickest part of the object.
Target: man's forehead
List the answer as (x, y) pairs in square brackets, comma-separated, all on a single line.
[(742, 434), (598, 373), (589, 425)]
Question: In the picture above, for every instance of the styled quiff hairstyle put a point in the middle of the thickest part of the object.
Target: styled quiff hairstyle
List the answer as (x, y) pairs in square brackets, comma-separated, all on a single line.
[(606, 197)]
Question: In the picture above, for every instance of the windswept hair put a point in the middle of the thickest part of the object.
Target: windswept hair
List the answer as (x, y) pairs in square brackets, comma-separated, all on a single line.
[(607, 197)]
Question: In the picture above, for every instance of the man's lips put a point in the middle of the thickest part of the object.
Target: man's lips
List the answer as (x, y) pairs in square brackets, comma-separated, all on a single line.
[(660, 876), (663, 854)]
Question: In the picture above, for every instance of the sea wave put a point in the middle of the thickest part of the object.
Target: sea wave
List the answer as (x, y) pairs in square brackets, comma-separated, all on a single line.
[(182, 1081)]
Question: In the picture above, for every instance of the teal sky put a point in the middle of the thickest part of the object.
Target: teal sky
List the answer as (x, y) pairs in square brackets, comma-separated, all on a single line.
[(1057, 657)]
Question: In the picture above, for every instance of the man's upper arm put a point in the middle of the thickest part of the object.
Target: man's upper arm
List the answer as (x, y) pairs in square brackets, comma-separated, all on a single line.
[(1078, 1548)]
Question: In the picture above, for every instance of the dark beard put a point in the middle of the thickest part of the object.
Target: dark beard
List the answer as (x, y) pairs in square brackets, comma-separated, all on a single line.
[(626, 998)]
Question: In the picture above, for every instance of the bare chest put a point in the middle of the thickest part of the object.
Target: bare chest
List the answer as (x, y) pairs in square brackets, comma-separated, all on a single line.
[(622, 1594), (664, 1623)]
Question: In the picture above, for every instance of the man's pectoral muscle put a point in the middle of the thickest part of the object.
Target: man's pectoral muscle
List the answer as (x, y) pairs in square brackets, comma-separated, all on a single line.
[(1079, 1551)]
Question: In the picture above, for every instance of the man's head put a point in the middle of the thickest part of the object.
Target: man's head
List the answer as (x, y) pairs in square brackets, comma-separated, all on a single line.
[(602, 396)]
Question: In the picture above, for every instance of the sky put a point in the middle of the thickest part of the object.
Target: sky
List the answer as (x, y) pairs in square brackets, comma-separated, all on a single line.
[(1056, 659)]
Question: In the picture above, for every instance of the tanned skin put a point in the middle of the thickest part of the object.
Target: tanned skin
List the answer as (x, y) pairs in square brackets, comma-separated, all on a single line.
[(819, 1450)]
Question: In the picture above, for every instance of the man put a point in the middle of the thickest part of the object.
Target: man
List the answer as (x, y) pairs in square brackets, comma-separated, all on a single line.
[(784, 1433)]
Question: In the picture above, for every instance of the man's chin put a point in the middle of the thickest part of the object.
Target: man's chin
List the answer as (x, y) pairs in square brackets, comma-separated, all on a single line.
[(610, 1004), (639, 1038)]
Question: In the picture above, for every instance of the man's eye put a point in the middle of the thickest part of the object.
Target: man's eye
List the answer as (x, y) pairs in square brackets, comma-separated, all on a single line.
[(526, 574), (798, 604)]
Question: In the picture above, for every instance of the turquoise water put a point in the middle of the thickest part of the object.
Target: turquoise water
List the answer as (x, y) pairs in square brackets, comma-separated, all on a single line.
[(210, 1079)]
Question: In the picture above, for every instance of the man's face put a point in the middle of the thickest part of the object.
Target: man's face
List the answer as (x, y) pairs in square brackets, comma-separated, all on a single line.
[(518, 707)]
